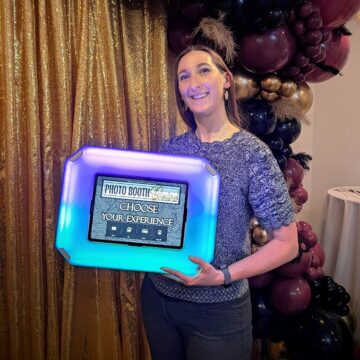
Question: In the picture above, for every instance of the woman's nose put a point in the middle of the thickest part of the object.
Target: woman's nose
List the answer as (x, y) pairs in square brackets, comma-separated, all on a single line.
[(195, 82)]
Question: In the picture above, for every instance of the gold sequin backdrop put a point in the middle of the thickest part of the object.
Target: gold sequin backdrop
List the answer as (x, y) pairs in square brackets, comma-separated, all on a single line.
[(72, 72)]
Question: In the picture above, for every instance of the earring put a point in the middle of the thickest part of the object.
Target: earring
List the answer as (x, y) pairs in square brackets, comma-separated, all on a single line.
[(185, 107), (226, 95)]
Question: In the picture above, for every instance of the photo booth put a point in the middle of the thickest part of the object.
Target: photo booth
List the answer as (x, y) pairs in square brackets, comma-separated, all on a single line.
[(135, 210)]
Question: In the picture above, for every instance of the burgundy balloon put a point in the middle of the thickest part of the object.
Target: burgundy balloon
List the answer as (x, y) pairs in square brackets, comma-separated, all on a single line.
[(337, 53), (293, 173), (314, 37), (321, 56), (299, 194), (261, 281), (179, 36), (315, 262), (309, 237), (311, 274), (318, 251), (314, 22), (326, 35), (300, 60), (297, 268), (194, 11), (291, 71), (312, 51), (320, 272), (300, 78), (308, 68), (267, 52), (299, 27), (306, 10), (303, 225), (337, 12), (290, 296)]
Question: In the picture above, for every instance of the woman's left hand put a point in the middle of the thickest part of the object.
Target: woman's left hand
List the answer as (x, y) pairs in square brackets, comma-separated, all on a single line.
[(208, 275)]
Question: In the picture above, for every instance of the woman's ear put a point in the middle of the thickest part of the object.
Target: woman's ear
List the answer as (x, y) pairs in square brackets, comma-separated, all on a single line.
[(228, 80)]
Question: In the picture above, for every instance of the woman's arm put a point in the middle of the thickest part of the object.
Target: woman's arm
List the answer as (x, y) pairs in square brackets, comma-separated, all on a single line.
[(282, 248)]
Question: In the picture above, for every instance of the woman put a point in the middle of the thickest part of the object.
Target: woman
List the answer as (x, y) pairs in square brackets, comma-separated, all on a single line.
[(208, 316)]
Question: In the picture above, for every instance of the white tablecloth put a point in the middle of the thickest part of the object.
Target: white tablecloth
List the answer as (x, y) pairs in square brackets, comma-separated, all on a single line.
[(341, 241)]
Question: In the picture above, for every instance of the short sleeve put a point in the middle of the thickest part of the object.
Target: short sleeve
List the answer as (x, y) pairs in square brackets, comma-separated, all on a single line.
[(268, 193), (163, 147)]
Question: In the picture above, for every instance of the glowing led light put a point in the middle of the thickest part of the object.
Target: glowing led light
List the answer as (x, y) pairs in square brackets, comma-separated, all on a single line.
[(74, 214)]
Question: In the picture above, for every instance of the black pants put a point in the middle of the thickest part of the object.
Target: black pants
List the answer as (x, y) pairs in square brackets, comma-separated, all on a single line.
[(179, 330)]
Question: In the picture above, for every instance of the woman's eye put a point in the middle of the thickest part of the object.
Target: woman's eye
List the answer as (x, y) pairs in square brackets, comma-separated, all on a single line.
[(183, 77), (204, 70)]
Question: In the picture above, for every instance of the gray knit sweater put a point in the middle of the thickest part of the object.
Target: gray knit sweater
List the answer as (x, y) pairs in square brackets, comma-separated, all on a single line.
[(251, 184)]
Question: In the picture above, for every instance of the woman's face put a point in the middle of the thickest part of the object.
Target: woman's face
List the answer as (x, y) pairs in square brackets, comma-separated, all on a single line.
[(201, 84)]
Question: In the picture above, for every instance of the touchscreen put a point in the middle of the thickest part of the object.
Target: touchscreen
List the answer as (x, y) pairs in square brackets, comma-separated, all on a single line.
[(138, 211)]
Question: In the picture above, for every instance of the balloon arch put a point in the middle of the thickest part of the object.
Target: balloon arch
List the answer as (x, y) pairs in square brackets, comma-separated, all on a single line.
[(284, 45)]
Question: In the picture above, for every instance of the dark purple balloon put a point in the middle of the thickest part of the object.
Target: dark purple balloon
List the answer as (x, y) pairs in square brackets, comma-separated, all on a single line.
[(290, 296), (337, 12), (267, 52)]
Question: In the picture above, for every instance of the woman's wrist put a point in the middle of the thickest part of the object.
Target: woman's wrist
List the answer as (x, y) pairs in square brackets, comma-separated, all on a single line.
[(220, 278)]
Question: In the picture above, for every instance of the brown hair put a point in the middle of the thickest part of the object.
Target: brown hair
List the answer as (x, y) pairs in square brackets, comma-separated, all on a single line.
[(230, 105)]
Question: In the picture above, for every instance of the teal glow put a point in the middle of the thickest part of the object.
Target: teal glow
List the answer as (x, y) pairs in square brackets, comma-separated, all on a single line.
[(74, 212)]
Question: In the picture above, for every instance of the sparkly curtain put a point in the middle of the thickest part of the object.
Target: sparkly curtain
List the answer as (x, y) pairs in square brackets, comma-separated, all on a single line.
[(72, 72)]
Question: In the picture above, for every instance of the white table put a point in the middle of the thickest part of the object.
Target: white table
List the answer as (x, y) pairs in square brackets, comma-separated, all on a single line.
[(341, 241)]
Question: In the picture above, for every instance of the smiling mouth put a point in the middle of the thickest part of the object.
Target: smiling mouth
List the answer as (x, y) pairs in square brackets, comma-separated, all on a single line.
[(199, 96)]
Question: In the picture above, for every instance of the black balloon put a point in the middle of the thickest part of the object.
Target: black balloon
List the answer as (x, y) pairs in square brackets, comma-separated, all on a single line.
[(274, 142), (262, 314), (320, 335), (276, 17), (248, 16), (288, 129), (281, 159), (287, 151), (261, 119)]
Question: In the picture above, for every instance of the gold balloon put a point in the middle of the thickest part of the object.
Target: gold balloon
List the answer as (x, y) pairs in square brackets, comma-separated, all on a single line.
[(271, 84), (254, 223), (288, 88), (255, 247), (269, 96), (245, 87), (260, 236), (302, 98), (275, 350)]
